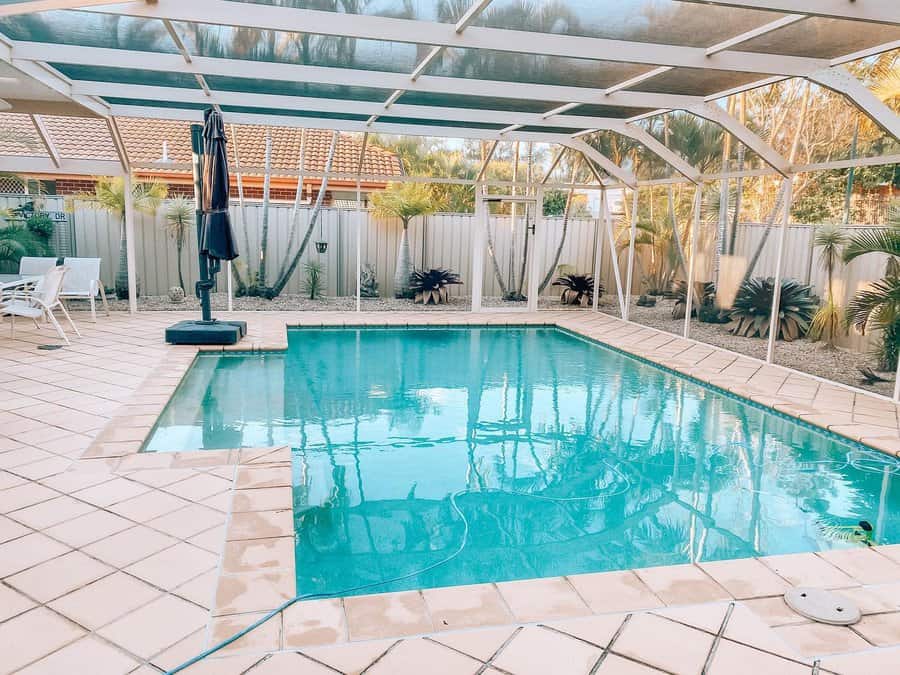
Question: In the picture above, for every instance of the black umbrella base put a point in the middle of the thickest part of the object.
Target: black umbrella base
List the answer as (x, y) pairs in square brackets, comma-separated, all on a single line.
[(206, 332)]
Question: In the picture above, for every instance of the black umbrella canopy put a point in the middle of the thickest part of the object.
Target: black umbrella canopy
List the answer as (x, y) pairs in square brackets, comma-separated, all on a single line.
[(217, 239)]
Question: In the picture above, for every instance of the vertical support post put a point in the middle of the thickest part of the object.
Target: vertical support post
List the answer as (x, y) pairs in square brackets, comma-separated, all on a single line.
[(538, 241), (779, 268), (203, 285), (607, 219), (629, 274), (130, 257), (478, 244), (358, 246), (689, 289), (598, 254), (897, 384), (229, 286)]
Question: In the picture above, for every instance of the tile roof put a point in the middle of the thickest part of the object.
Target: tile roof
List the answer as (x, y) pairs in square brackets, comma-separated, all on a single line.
[(89, 138)]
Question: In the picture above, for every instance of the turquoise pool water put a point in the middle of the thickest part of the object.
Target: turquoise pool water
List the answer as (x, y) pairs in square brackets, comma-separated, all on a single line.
[(564, 456)]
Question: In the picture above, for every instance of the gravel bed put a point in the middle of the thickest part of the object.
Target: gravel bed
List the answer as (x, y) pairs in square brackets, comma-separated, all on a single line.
[(840, 365)]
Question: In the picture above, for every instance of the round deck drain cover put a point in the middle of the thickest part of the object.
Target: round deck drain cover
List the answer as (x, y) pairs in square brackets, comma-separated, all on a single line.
[(822, 606)]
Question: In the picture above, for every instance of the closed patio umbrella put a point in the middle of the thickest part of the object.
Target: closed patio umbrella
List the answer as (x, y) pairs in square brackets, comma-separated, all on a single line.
[(217, 239)]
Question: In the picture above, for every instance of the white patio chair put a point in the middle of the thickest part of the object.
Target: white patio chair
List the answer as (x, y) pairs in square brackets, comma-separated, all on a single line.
[(35, 267), (82, 282), (40, 303)]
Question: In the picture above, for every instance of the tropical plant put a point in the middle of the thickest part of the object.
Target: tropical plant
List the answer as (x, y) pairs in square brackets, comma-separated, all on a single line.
[(41, 225), (828, 321), (313, 279), (704, 292), (878, 306), (17, 241), (578, 289), (752, 309), (405, 201), (180, 216), (432, 286), (109, 195)]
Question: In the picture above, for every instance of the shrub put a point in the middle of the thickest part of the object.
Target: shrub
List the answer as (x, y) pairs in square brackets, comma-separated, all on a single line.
[(40, 225), (578, 289), (432, 286), (753, 307)]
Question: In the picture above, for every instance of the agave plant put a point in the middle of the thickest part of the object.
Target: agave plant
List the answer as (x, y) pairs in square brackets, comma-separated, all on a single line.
[(752, 308), (704, 291), (432, 286), (578, 289)]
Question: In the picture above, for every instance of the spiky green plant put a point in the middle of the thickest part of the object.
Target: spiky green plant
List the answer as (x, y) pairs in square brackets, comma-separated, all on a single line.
[(751, 312), (314, 279), (704, 291), (578, 289), (432, 286), (180, 217), (828, 322), (17, 241)]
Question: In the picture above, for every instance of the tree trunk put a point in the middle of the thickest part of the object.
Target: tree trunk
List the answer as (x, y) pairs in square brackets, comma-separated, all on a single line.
[(235, 272), (739, 188), (179, 245), (264, 237), (404, 268), (122, 270), (286, 273), (522, 273), (565, 228)]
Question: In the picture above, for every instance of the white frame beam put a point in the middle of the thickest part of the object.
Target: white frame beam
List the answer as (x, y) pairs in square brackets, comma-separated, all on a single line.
[(877, 11), (367, 27), (840, 80), (46, 140), (20, 8)]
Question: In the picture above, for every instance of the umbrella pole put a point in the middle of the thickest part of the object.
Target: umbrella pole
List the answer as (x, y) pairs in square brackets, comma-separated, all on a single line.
[(203, 286)]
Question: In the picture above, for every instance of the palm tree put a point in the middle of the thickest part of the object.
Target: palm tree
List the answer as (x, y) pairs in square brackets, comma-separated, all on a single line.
[(827, 321), (109, 194), (179, 218), (17, 241), (879, 305), (405, 201)]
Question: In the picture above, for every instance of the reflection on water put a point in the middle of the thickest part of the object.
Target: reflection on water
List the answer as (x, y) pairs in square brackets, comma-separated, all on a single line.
[(565, 457)]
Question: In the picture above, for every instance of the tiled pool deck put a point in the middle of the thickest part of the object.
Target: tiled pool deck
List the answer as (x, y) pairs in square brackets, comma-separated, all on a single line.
[(117, 562)]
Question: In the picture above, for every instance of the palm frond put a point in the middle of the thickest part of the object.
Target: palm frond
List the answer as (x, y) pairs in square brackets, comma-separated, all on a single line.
[(873, 241)]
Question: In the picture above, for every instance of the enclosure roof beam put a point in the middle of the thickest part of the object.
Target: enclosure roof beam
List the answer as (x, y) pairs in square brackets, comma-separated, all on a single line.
[(716, 114), (591, 154), (559, 155), (118, 143), (671, 158), (840, 80), (788, 20), (68, 167), (487, 160), (46, 139), (164, 62), (877, 11), (391, 29), (20, 8)]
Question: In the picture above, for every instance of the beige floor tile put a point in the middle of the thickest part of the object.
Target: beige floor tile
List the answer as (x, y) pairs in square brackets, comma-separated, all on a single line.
[(748, 628), (735, 659), (415, 656), (8, 480), (129, 546), (200, 590), (481, 644), (314, 622), (182, 651), (466, 607), (598, 630), (59, 576), (373, 617), (351, 658), (220, 502), (261, 499), (44, 468), (614, 591), (51, 512), (707, 616), (12, 603), (818, 639), (148, 506), (542, 599), (864, 663), (262, 477), (537, 651), (111, 492), (254, 591), (199, 486), (230, 664), (774, 611), (32, 549), (807, 569), (156, 626), (76, 479), (616, 665), (32, 636), (289, 663), (10, 529), (267, 637), (212, 540), (160, 477), (250, 555), (682, 584), (21, 496), (261, 525), (664, 644), (882, 630), (89, 528), (88, 656), (864, 565), (105, 600), (187, 522), (746, 578), (173, 566)]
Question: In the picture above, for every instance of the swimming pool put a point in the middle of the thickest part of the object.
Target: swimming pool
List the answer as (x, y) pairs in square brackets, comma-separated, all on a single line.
[(520, 452)]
